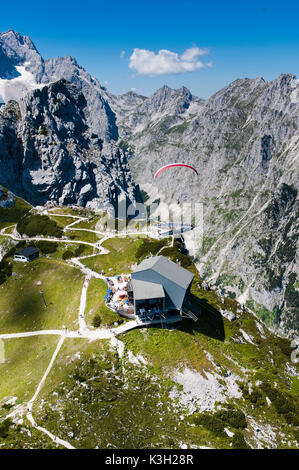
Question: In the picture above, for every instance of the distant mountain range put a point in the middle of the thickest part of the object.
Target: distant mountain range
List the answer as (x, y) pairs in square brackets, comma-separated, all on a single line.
[(66, 138)]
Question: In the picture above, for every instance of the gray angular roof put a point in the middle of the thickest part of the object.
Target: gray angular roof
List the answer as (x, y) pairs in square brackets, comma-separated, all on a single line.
[(180, 276), (147, 290), (27, 251)]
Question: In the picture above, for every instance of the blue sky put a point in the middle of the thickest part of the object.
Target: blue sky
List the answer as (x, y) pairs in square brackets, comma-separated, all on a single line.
[(244, 39)]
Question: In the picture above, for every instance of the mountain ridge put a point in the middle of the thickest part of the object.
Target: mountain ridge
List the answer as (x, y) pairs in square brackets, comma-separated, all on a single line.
[(48, 152)]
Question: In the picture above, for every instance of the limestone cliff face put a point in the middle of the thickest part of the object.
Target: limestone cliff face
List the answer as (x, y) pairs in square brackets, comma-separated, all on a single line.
[(244, 143), (49, 153), (57, 131), (22, 69)]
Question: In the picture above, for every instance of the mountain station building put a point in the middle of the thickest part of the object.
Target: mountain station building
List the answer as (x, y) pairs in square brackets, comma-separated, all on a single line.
[(159, 287), (27, 254)]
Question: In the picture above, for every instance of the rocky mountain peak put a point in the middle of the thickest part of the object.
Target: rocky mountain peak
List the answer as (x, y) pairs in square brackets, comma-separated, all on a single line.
[(18, 51), (14, 42), (71, 59), (56, 102), (284, 84), (164, 93), (166, 97), (49, 152), (23, 69)]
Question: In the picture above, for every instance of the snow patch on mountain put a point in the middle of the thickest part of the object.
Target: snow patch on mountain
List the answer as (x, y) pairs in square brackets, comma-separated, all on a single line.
[(16, 87)]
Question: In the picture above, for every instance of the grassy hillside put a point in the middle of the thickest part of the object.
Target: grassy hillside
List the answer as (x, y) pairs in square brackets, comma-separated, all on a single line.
[(104, 401), (24, 366), (89, 224), (121, 256), (96, 306), (84, 236), (32, 224), (125, 401), (14, 213), (151, 387), (21, 305), (62, 221)]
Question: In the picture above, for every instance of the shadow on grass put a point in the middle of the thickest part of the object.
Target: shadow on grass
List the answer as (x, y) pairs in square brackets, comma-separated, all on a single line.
[(209, 323), (27, 310)]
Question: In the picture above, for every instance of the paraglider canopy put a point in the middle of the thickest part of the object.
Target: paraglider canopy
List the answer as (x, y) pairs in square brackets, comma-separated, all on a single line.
[(172, 165)]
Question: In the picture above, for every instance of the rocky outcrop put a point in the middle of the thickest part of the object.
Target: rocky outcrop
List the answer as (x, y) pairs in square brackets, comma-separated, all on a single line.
[(49, 153), (57, 131), (7, 198), (17, 50), (23, 69), (99, 115)]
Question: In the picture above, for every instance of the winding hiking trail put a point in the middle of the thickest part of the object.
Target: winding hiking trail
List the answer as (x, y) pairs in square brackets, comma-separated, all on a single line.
[(83, 332)]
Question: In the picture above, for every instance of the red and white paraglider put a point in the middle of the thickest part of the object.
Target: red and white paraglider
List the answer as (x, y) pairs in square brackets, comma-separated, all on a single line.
[(172, 165)]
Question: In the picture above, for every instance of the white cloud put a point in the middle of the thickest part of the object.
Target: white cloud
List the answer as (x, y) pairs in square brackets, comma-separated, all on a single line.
[(148, 63), (122, 54), (192, 53)]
